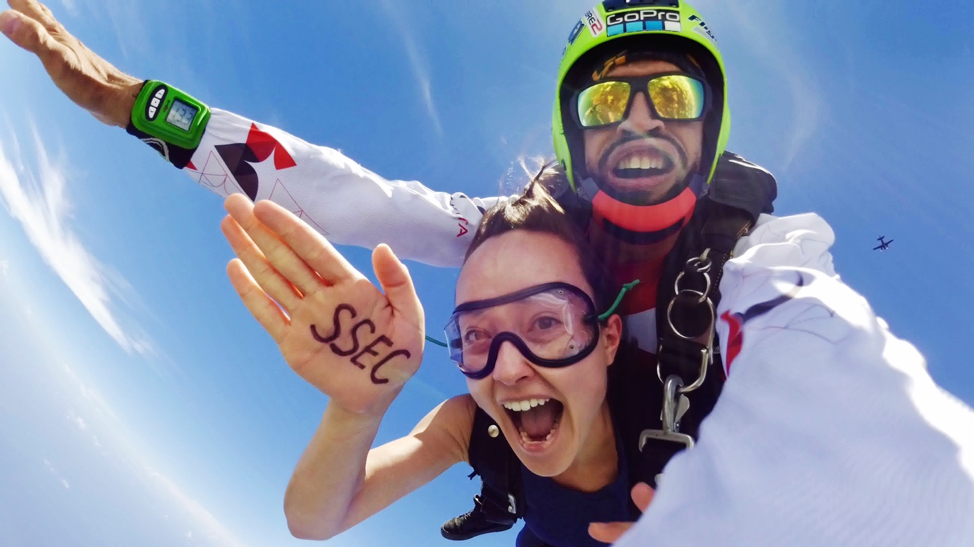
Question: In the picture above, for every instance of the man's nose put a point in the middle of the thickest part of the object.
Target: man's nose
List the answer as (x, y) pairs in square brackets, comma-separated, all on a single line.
[(511, 366), (641, 119)]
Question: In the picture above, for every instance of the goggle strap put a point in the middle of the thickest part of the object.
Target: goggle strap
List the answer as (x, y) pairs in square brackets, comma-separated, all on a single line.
[(625, 288), (435, 341)]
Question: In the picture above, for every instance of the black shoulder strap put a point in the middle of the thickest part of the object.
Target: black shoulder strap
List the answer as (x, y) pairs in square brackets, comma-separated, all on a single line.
[(492, 458), (738, 194)]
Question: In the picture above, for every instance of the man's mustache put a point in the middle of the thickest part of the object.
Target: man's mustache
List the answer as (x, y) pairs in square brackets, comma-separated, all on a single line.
[(631, 136)]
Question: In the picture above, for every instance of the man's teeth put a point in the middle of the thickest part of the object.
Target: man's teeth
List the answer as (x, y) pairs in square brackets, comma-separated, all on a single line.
[(638, 161), (527, 404)]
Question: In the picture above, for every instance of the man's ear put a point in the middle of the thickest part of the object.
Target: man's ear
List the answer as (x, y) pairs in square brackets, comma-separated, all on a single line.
[(612, 336)]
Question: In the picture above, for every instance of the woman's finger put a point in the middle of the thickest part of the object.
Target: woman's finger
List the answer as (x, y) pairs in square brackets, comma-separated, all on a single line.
[(277, 252), (265, 311), (272, 282), (311, 246)]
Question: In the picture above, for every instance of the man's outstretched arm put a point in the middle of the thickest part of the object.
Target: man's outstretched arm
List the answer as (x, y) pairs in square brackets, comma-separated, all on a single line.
[(87, 79), (349, 204)]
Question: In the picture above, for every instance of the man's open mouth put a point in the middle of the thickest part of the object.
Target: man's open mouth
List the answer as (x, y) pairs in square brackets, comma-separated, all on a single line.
[(536, 420), (642, 164)]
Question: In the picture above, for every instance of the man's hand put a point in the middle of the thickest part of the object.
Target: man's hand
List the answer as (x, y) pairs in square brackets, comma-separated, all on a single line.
[(610, 532), (87, 79)]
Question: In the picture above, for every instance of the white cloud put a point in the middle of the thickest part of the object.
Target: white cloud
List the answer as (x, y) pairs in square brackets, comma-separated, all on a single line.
[(416, 59), (101, 422), (57, 475), (214, 531), (124, 16), (78, 421), (5, 268), (71, 7), (766, 35), (41, 205)]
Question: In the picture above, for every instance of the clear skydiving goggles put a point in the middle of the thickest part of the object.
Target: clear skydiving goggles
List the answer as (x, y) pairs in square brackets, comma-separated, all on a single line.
[(672, 96), (553, 325)]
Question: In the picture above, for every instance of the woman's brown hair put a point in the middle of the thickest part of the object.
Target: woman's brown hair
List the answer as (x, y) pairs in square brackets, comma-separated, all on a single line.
[(536, 210)]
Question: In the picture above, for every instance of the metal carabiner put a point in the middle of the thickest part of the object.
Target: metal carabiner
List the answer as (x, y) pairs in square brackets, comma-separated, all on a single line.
[(672, 389)]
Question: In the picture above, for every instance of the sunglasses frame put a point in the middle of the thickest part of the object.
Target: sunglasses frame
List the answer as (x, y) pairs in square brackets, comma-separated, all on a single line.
[(640, 84)]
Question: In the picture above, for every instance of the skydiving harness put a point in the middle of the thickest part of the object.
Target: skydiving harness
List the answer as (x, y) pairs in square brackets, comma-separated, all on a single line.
[(687, 297)]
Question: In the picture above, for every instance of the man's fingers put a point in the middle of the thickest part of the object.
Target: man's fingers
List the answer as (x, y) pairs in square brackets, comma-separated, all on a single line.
[(608, 532), (264, 310), (397, 284), (278, 253), (266, 276), (314, 249), (28, 34), (642, 495), (36, 11)]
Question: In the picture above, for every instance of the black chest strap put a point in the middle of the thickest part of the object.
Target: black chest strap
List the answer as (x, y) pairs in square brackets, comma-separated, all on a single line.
[(494, 460)]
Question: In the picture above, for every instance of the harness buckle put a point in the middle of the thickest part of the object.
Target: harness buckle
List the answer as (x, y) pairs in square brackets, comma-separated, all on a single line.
[(672, 398)]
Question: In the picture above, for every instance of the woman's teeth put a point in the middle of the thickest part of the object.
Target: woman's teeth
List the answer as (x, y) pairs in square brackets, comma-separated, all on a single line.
[(527, 404), (527, 438)]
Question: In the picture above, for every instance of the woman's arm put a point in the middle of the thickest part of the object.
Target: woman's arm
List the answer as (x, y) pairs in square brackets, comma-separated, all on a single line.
[(340, 482), (356, 345)]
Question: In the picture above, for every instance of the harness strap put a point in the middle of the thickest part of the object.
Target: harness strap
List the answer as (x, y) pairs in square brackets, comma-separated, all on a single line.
[(494, 460)]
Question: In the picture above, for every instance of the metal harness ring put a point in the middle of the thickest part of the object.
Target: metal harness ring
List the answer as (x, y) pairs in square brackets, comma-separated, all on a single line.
[(703, 299)]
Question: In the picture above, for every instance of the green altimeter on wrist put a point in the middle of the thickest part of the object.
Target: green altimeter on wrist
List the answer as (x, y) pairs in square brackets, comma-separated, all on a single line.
[(168, 114)]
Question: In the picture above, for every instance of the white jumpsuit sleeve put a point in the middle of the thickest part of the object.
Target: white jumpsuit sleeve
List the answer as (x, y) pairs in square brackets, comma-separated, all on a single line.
[(344, 201), (829, 430)]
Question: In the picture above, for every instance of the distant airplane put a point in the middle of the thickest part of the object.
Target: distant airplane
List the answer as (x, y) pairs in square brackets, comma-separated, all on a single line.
[(883, 244)]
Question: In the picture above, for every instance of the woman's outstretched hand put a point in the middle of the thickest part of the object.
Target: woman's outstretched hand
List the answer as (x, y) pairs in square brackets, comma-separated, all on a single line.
[(334, 328)]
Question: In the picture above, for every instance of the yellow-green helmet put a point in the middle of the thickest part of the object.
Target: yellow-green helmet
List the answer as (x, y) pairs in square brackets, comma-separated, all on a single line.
[(639, 26)]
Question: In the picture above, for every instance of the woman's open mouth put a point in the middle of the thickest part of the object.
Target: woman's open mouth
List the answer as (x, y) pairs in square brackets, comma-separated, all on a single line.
[(536, 421)]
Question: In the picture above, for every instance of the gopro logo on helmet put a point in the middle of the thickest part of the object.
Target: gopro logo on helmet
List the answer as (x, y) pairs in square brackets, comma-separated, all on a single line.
[(612, 5), (643, 20)]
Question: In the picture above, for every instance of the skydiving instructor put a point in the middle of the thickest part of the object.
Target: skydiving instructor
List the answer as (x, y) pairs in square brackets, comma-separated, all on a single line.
[(828, 430)]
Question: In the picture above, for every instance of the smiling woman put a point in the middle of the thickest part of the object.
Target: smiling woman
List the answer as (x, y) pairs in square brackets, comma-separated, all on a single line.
[(526, 332)]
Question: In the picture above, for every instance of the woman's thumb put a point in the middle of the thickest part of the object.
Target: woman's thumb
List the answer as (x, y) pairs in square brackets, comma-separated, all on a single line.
[(396, 283)]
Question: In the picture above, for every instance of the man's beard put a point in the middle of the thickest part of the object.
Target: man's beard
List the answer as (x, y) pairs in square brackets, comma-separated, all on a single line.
[(644, 197)]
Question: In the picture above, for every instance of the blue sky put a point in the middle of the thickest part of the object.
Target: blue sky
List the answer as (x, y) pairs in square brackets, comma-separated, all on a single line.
[(140, 404)]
